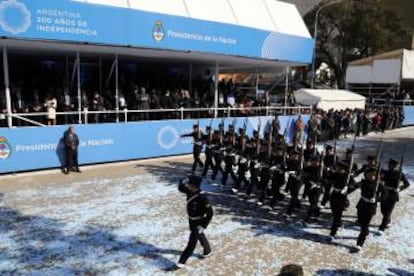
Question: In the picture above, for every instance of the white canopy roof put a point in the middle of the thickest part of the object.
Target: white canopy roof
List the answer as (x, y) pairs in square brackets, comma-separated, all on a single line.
[(269, 15), (326, 99)]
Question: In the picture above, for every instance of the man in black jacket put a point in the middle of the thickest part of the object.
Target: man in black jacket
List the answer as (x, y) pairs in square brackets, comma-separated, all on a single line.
[(390, 192), (71, 146), (200, 213)]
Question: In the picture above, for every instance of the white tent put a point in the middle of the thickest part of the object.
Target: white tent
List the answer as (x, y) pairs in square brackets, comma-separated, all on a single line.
[(326, 99)]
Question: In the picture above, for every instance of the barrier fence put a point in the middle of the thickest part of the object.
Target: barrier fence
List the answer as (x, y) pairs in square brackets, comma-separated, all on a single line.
[(32, 148)]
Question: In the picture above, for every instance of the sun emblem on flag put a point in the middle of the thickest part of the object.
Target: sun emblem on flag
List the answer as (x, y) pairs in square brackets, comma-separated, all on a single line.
[(5, 149), (158, 31), (15, 18)]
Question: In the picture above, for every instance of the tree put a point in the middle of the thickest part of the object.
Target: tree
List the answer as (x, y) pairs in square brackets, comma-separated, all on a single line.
[(355, 29)]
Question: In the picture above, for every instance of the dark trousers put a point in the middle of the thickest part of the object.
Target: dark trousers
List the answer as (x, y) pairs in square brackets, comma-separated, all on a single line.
[(228, 170), (208, 164), (241, 177), (326, 193), (254, 179), (196, 156), (294, 187), (337, 206), (277, 182), (387, 206), (313, 210), (71, 158), (365, 213), (192, 242), (217, 167)]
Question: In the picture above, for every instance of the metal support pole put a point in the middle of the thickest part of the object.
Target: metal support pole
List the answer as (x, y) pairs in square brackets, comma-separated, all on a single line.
[(79, 88), (286, 86), (216, 92), (190, 79), (100, 75), (7, 87), (117, 90)]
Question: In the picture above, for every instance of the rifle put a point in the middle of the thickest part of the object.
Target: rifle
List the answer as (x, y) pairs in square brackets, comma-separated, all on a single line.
[(302, 157), (335, 143), (351, 165), (221, 132), (401, 164), (378, 179), (322, 165), (269, 149), (378, 150), (210, 135), (233, 138), (258, 138), (286, 130)]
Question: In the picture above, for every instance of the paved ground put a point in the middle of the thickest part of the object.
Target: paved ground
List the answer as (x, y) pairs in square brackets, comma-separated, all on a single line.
[(130, 219)]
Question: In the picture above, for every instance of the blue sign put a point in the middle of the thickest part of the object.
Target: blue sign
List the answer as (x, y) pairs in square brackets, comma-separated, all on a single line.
[(82, 22), (408, 115), (32, 148)]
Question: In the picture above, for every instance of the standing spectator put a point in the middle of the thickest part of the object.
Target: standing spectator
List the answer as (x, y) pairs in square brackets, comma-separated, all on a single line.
[(97, 104), (19, 104), (51, 105), (166, 103), (299, 132), (65, 102), (143, 103), (185, 102), (36, 106), (71, 145)]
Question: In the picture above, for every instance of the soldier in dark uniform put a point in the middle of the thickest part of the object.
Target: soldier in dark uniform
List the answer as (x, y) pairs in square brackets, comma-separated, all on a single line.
[(309, 152), (208, 141), (371, 162), (367, 204), (243, 167), (390, 192), (198, 145), (294, 181), (200, 214), (278, 174), (254, 162), (348, 158), (265, 173), (329, 165), (338, 196), (218, 152), (229, 156), (312, 176)]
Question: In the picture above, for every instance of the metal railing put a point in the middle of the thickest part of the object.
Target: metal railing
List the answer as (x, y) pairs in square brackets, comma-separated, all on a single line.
[(86, 116), (390, 103)]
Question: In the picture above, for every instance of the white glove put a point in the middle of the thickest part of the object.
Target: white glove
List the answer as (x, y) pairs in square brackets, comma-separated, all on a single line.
[(200, 229)]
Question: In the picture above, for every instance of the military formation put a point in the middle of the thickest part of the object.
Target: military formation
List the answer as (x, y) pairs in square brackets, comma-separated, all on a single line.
[(269, 171)]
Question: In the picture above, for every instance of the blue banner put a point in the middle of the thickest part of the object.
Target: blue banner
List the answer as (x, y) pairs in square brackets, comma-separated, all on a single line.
[(81, 22), (32, 148), (408, 115)]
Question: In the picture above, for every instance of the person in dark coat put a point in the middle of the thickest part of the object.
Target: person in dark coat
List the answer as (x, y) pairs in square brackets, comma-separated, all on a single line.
[(390, 191), (198, 146), (71, 141), (367, 204), (338, 196), (200, 213)]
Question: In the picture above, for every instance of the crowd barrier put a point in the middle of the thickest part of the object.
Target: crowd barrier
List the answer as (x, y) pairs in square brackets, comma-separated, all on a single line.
[(33, 148)]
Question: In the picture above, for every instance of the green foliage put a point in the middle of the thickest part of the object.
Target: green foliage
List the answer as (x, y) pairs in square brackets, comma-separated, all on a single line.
[(354, 29)]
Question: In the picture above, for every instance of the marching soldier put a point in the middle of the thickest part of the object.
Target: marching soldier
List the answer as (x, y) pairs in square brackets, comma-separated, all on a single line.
[(329, 165), (198, 145), (229, 156), (338, 196), (200, 213), (254, 162), (390, 192), (243, 166), (294, 181), (218, 153), (371, 162), (312, 178), (367, 204), (208, 140), (278, 174)]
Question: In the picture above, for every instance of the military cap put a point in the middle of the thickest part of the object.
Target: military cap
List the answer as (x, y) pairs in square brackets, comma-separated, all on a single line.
[(349, 150), (371, 157), (393, 161), (371, 169), (195, 179), (328, 147)]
